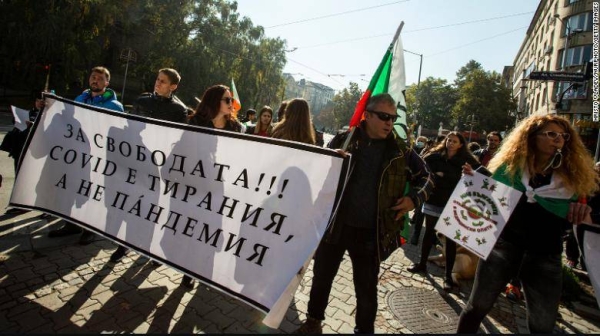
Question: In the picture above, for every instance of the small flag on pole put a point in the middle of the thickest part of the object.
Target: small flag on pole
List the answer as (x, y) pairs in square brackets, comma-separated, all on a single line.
[(388, 78), (237, 105)]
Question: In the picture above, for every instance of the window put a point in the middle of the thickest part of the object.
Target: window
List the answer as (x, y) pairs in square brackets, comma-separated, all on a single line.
[(580, 21), (529, 69), (578, 92), (570, 2), (576, 56), (545, 95)]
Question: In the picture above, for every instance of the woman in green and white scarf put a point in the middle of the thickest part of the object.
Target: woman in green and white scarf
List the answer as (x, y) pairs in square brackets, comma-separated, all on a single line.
[(545, 158)]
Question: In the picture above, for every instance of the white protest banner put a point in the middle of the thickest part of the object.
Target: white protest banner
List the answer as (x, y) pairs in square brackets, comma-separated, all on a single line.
[(476, 212), (239, 212), (21, 116)]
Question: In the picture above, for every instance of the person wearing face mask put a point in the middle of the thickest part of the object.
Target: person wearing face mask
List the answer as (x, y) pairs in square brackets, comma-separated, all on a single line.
[(445, 161), (420, 144), (544, 158)]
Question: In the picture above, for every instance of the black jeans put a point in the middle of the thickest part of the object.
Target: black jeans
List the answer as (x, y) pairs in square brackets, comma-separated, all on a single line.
[(362, 248), (417, 224), (429, 240), (541, 276)]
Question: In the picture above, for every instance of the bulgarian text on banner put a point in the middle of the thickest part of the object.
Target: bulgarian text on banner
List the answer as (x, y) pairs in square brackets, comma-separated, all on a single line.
[(240, 213)]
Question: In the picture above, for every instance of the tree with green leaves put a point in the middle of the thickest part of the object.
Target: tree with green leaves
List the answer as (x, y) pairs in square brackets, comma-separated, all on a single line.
[(431, 102), (482, 95), (207, 41)]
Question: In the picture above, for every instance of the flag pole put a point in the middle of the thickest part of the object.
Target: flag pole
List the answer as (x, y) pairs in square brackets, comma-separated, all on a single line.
[(353, 128)]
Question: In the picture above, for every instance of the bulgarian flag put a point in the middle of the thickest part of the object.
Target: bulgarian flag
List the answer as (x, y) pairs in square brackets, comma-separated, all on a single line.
[(237, 105), (389, 78)]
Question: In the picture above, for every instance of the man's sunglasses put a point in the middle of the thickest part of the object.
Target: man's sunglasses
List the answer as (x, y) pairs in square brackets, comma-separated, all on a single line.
[(384, 116), (228, 100)]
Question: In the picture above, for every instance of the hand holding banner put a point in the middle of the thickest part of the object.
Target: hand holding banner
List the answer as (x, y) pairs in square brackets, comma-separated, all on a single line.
[(209, 203)]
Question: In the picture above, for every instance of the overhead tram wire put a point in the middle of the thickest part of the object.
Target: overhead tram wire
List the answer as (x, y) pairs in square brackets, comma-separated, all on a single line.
[(304, 65), (315, 70), (431, 55), (336, 14), (474, 42), (468, 22), (416, 30)]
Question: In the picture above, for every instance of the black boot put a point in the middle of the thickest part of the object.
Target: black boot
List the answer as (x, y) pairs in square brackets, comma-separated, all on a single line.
[(86, 237), (417, 268)]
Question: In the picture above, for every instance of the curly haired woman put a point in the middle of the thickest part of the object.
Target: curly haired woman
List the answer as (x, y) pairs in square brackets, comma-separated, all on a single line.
[(545, 159)]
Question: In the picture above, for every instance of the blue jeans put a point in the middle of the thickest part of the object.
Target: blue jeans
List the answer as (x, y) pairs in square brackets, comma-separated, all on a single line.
[(541, 277)]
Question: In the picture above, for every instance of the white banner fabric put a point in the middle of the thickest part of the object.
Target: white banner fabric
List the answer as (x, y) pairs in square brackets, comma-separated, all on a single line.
[(21, 116), (239, 212), (476, 213)]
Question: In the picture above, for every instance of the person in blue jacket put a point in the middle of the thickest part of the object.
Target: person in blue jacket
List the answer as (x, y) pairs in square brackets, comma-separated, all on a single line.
[(97, 95)]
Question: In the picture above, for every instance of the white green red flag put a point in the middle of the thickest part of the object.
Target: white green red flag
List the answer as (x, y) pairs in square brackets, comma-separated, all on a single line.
[(237, 104), (388, 78)]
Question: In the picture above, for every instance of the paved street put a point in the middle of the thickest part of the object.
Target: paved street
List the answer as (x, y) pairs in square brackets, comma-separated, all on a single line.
[(57, 286)]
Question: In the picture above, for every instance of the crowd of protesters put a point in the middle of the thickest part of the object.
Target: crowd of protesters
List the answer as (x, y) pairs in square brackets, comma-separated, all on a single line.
[(543, 156)]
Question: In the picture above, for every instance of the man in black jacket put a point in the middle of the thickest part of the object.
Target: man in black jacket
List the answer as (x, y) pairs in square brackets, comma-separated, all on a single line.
[(371, 213), (162, 103)]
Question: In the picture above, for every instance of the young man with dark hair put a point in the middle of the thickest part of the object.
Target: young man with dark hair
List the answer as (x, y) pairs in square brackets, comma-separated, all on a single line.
[(484, 155), (162, 103), (370, 217)]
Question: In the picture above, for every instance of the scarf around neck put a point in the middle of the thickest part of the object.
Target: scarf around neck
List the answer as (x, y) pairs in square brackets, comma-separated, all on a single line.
[(554, 197)]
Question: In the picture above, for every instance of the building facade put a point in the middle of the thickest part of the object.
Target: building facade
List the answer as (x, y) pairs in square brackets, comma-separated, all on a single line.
[(317, 95), (557, 25)]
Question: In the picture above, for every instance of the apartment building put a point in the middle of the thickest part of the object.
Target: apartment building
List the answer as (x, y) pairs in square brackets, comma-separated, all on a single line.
[(317, 95), (557, 25)]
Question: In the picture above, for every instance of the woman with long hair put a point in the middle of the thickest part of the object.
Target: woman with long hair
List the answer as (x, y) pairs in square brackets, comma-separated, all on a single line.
[(263, 125), (296, 124), (214, 110), (545, 159), (445, 161)]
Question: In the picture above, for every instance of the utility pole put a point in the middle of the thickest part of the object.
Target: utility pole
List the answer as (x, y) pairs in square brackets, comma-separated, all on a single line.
[(471, 122), (127, 55)]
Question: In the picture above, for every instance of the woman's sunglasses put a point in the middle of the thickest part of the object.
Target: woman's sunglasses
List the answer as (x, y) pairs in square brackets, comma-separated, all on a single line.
[(228, 100), (553, 135)]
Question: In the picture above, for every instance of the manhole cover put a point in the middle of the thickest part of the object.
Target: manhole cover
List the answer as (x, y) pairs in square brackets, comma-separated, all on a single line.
[(423, 311)]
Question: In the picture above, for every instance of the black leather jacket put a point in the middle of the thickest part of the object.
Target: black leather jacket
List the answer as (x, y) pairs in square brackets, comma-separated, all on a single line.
[(158, 107)]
